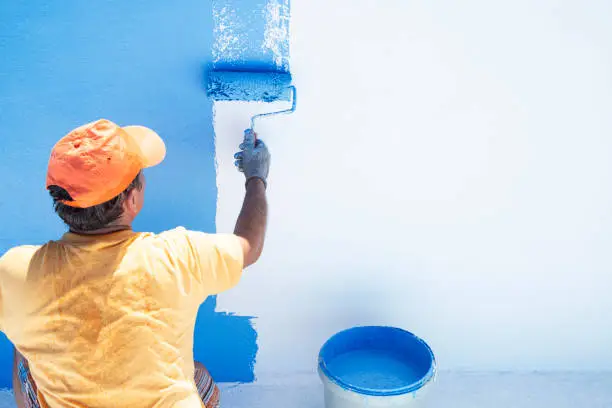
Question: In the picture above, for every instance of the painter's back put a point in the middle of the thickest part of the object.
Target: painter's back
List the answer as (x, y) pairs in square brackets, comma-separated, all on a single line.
[(108, 320)]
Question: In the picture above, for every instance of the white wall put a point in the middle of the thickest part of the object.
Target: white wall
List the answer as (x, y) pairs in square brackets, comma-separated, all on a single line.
[(447, 171)]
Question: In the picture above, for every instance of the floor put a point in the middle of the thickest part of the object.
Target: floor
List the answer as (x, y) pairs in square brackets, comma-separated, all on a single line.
[(451, 389)]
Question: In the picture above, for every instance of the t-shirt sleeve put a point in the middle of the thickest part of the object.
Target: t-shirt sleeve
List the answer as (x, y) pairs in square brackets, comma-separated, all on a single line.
[(214, 260), (13, 271)]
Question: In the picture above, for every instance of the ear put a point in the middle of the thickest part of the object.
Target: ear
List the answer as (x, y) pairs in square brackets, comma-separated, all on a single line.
[(130, 204)]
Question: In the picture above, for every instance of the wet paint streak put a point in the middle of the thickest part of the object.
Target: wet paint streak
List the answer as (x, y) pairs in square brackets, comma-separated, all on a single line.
[(276, 33), (251, 35)]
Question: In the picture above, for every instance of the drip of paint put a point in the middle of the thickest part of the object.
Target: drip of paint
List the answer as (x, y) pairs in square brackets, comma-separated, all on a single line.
[(374, 369)]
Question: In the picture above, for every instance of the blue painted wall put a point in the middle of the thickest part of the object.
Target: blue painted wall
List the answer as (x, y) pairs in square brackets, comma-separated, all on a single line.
[(134, 62)]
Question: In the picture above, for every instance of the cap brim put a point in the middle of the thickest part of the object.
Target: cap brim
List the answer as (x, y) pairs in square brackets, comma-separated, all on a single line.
[(151, 145)]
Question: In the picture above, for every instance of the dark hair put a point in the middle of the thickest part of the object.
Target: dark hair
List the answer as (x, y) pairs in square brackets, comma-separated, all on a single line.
[(90, 218)]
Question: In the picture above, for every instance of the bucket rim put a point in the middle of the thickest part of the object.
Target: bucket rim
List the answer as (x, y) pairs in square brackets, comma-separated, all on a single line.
[(323, 369)]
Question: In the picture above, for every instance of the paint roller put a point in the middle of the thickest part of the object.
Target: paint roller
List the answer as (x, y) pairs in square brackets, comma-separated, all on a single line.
[(251, 86)]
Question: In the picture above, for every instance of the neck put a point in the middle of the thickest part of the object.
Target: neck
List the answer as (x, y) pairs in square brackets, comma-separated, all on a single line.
[(106, 230)]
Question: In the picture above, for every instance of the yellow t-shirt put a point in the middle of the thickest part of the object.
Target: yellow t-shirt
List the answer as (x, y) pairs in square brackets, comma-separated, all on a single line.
[(108, 320)]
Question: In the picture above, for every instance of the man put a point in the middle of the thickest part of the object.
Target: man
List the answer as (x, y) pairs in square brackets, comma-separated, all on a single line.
[(104, 316)]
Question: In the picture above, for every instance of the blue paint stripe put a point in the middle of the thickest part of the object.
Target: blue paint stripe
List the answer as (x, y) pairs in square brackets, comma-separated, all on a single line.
[(251, 35)]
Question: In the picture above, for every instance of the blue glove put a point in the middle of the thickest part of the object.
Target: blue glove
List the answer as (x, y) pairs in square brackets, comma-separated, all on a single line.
[(254, 158)]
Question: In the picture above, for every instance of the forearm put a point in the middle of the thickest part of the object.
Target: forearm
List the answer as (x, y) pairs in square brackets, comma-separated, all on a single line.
[(251, 224)]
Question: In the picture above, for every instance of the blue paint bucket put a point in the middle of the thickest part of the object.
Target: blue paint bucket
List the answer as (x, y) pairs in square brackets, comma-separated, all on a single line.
[(375, 366)]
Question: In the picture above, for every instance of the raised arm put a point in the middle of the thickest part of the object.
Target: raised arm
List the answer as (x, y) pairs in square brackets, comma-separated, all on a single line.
[(254, 161)]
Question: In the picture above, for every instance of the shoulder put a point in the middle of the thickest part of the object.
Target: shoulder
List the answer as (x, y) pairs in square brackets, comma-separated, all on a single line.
[(180, 235), (171, 237), (177, 232), (180, 239), (170, 241), (19, 254), (17, 259)]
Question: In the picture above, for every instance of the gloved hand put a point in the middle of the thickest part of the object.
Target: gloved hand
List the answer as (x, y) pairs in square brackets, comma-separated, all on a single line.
[(254, 158)]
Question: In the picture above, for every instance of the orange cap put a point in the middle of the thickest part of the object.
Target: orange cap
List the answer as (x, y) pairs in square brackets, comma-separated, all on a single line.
[(97, 161)]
